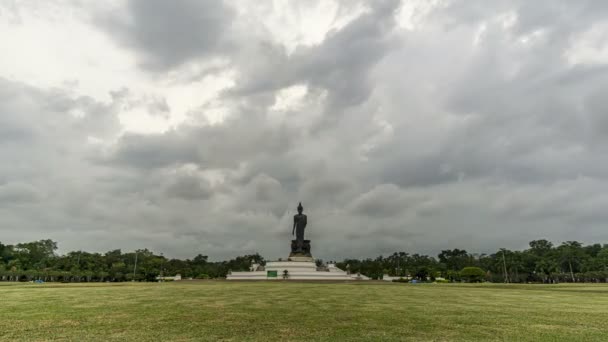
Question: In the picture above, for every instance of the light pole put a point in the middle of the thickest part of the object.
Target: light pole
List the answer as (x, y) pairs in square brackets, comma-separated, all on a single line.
[(398, 266), (134, 266), (162, 260), (504, 265)]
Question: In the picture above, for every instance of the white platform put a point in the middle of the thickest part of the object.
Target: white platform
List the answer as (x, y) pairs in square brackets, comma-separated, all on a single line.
[(296, 270), (296, 266)]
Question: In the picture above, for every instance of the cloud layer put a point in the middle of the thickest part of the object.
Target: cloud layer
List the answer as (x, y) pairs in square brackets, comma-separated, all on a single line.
[(197, 126)]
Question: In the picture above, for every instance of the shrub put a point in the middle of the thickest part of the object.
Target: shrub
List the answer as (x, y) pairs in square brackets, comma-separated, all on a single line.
[(400, 280), (472, 274)]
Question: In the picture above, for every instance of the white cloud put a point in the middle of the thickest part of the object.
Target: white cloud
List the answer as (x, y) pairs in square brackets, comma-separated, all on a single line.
[(590, 46)]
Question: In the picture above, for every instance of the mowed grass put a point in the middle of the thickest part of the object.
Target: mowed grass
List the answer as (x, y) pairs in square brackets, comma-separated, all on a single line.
[(287, 311)]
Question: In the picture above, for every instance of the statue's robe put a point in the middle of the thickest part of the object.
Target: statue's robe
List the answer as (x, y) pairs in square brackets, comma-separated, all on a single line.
[(299, 221)]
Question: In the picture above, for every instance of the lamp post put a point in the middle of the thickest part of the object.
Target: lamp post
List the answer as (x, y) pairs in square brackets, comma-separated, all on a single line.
[(162, 261), (134, 266), (504, 265)]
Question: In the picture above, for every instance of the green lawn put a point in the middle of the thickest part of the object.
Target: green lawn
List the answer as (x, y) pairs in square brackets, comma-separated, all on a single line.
[(283, 311)]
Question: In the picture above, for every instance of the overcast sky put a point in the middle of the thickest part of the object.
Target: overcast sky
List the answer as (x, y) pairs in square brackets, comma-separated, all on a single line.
[(197, 126)]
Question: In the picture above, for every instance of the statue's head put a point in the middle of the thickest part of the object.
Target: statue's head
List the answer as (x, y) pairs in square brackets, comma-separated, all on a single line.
[(300, 208)]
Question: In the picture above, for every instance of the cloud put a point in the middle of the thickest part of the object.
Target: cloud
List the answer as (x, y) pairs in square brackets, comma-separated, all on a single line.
[(12, 193), (340, 65), (166, 35), (218, 146), (189, 187), (416, 127)]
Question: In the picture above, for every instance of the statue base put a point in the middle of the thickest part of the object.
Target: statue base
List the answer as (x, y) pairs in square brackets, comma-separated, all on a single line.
[(300, 253), (300, 259)]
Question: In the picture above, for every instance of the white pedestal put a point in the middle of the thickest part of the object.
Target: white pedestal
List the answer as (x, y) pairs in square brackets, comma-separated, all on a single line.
[(301, 259), (296, 270)]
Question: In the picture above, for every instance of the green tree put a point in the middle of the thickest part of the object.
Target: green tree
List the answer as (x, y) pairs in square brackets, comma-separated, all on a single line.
[(36, 254), (472, 274), (571, 255), (455, 259)]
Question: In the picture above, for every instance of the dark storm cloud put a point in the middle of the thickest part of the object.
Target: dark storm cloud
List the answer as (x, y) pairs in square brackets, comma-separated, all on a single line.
[(44, 170), (218, 146), (167, 34), (189, 187), (155, 150), (11, 193), (504, 118), (481, 127), (36, 117), (339, 65)]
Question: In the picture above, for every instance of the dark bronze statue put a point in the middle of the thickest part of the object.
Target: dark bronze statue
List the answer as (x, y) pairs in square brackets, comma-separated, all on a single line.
[(299, 224)]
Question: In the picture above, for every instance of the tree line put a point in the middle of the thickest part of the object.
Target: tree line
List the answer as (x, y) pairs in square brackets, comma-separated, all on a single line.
[(542, 262), (38, 260)]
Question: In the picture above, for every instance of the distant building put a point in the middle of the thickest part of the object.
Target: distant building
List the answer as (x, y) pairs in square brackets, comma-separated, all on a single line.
[(174, 278), (386, 277)]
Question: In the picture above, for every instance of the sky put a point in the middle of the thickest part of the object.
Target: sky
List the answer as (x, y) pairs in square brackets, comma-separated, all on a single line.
[(195, 126)]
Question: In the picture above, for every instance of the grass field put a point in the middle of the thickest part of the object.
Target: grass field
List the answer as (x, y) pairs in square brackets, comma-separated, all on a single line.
[(225, 311)]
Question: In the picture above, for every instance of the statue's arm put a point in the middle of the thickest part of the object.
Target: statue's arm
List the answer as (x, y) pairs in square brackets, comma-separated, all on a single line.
[(305, 221), (294, 226)]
